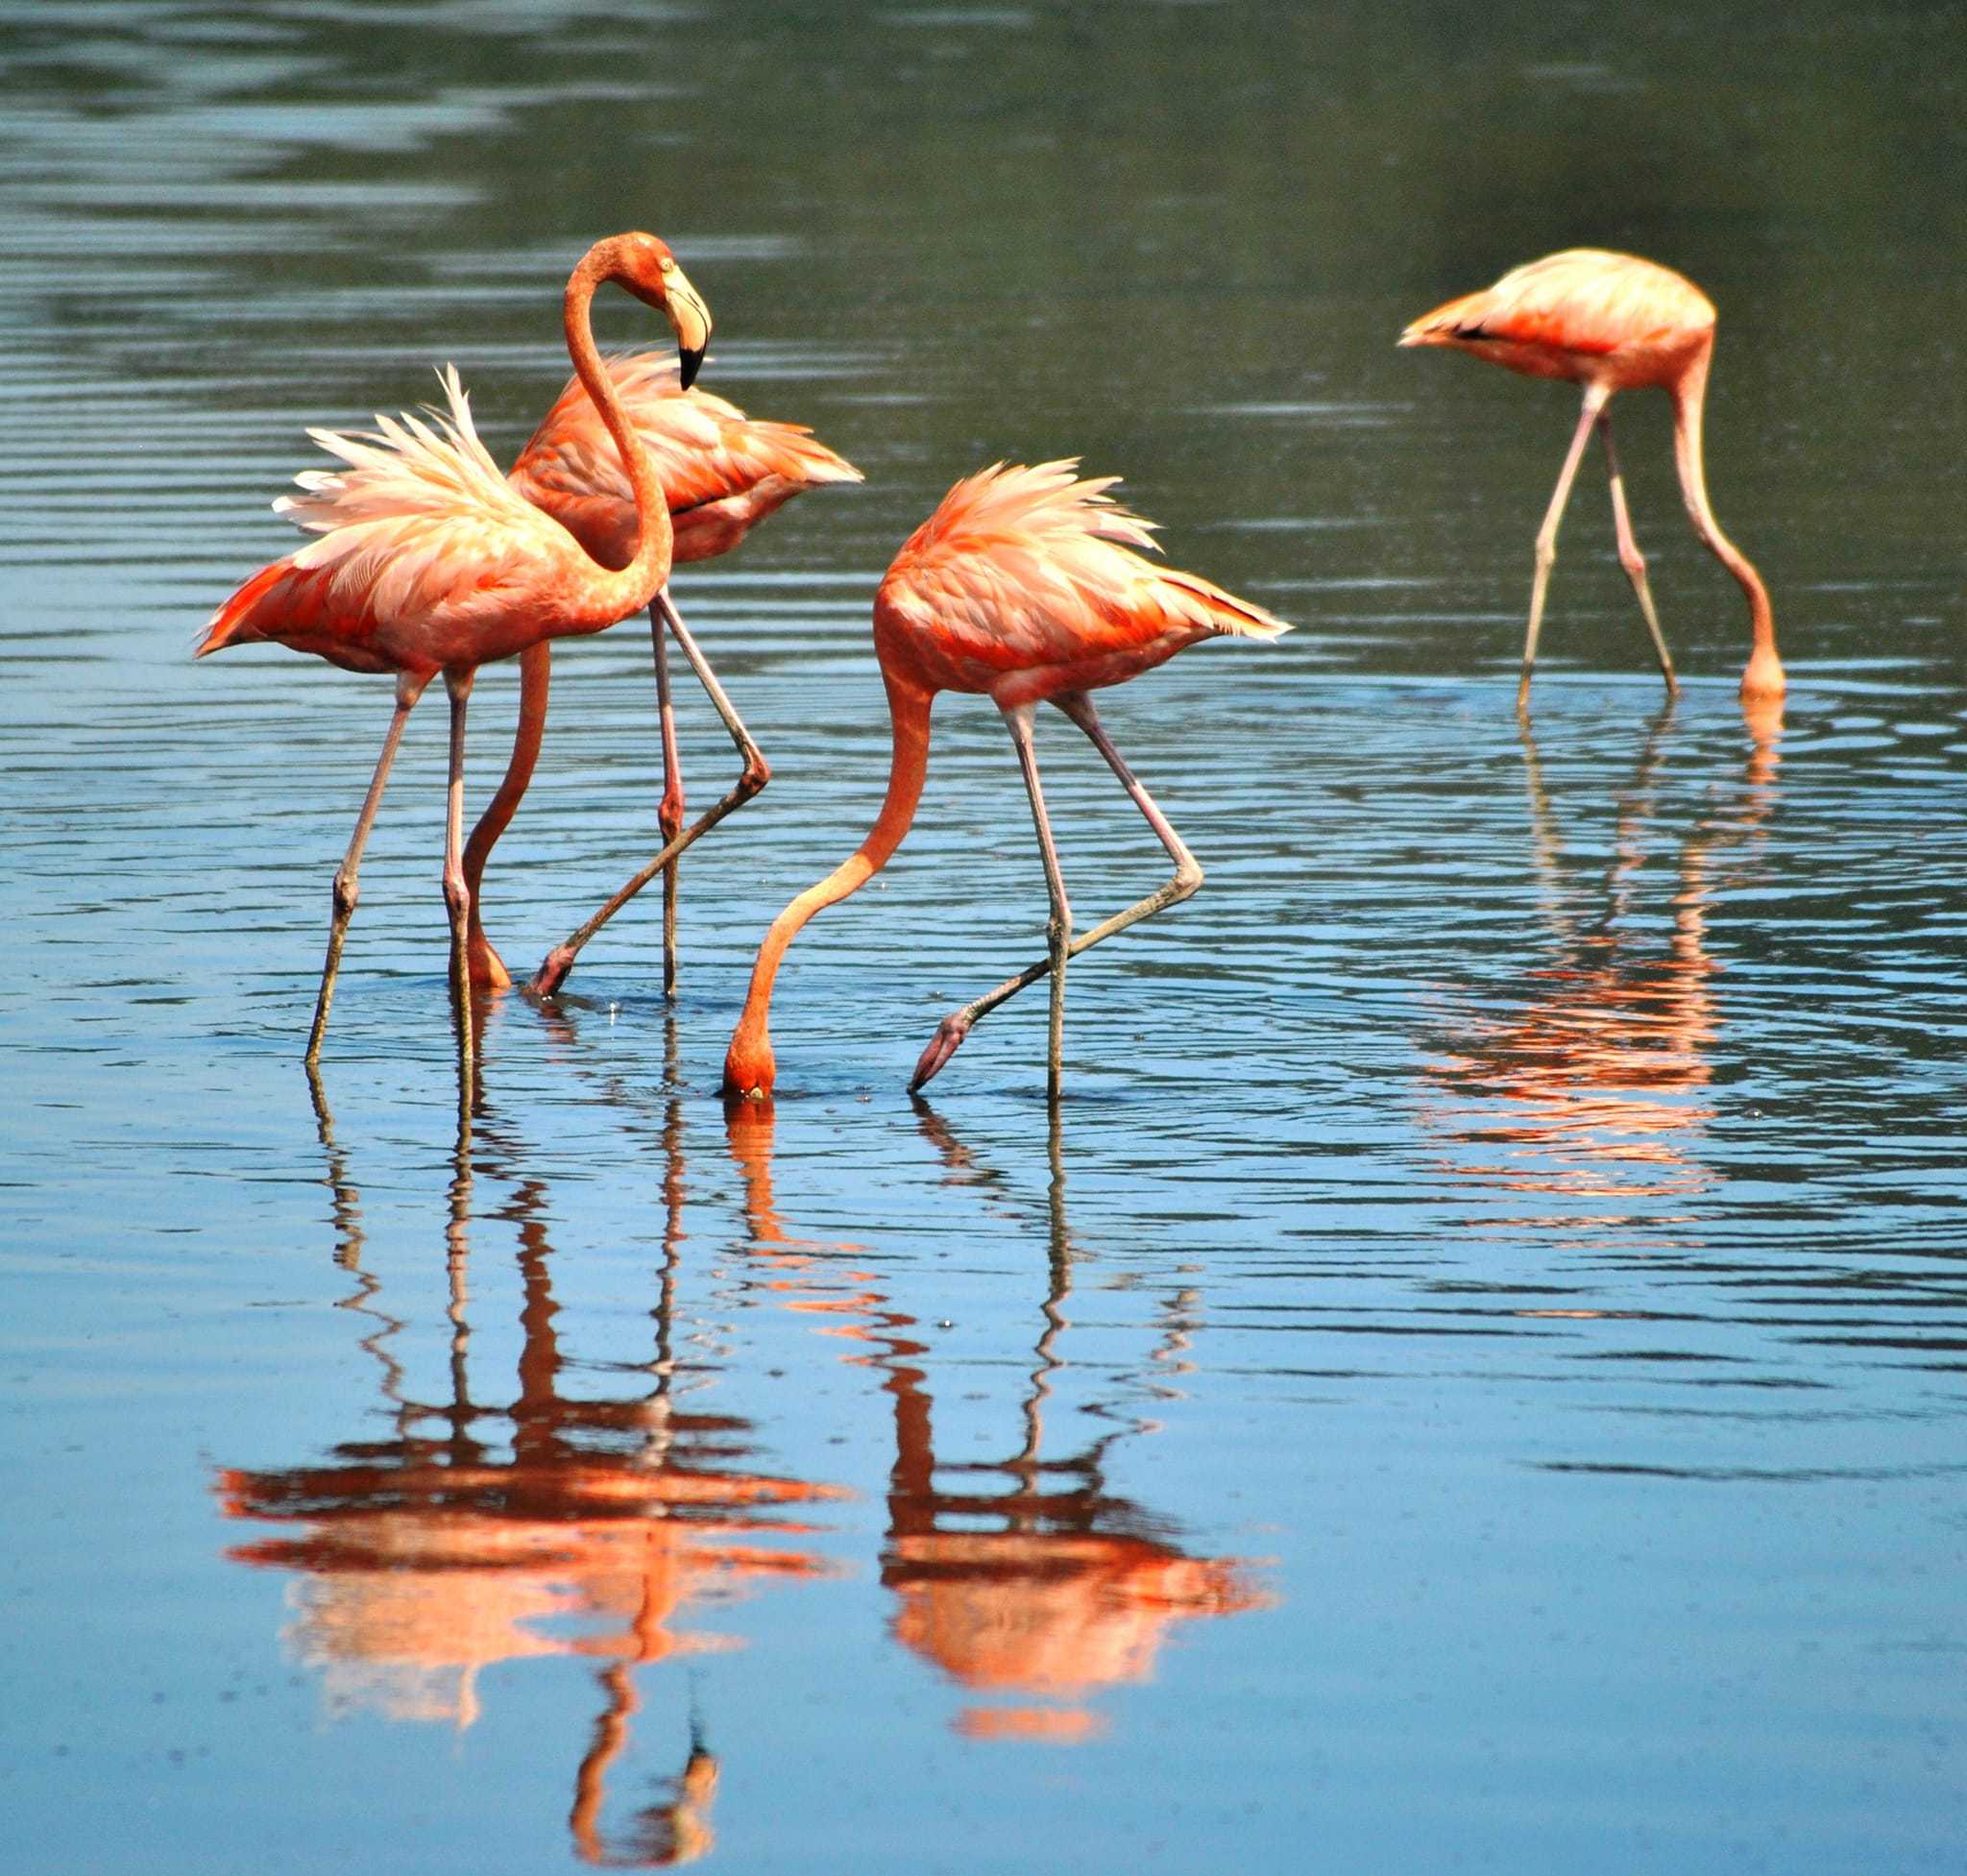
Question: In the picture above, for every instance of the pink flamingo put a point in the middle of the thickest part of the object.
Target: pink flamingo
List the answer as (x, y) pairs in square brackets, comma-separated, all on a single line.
[(1611, 322), (1020, 586), (429, 561), (722, 472)]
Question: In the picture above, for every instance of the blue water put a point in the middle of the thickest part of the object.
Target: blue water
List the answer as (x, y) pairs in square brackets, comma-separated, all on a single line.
[(1471, 1372)]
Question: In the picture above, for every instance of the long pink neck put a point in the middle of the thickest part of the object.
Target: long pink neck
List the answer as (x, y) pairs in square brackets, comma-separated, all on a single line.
[(1765, 673), (748, 1066), (535, 678), (608, 595)]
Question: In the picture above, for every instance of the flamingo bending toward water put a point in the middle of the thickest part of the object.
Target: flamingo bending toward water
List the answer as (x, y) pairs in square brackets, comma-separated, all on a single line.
[(427, 561), (722, 472), (1611, 322), (1021, 586)]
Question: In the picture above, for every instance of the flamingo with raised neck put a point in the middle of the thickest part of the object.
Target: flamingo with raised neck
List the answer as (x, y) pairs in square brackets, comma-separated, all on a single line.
[(427, 561)]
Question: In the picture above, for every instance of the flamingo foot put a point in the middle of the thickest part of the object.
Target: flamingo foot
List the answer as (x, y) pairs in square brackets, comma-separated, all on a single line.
[(944, 1043), (552, 972)]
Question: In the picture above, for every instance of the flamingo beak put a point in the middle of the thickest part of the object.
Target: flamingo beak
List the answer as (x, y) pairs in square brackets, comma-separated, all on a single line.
[(690, 321)]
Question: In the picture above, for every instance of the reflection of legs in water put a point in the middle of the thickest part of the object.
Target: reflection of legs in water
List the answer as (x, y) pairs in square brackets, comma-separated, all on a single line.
[(676, 1830), (1593, 1076), (1025, 1578), (1634, 806)]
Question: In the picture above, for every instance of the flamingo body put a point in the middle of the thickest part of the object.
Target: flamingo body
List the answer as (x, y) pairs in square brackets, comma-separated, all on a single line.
[(427, 558), (1024, 586), (721, 470), (1609, 323), (1585, 315)]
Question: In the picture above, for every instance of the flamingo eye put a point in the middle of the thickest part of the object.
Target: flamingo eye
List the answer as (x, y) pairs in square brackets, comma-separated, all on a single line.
[(669, 264)]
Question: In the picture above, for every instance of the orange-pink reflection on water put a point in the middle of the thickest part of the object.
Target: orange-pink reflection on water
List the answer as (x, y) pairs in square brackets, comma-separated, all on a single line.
[(1027, 1575), (1592, 1083)]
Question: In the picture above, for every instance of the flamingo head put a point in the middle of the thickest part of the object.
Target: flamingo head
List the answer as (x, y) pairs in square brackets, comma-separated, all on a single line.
[(750, 1068), (643, 264)]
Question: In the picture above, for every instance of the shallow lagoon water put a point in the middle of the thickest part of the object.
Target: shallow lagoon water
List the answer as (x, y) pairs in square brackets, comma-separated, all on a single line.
[(1471, 1373)]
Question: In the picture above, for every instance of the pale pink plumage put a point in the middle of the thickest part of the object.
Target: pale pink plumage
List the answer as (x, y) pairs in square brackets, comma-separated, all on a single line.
[(425, 560), (1024, 584), (721, 472), (425, 556), (1578, 314)]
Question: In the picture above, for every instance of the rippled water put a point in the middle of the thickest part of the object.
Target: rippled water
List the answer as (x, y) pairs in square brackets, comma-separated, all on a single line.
[(1472, 1371)]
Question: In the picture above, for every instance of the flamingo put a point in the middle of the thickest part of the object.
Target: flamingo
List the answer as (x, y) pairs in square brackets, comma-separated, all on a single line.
[(1611, 322), (427, 561), (722, 472), (1022, 586)]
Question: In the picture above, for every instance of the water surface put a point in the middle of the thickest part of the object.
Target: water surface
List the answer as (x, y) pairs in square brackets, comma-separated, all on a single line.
[(1472, 1371)]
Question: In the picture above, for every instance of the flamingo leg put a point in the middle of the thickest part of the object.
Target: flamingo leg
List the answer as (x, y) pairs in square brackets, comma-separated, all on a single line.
[(669, 811), (1629, 555), (756, 773), (1058, 927), (457, 893), (346, 886), (1596, 397), (1187, 877)]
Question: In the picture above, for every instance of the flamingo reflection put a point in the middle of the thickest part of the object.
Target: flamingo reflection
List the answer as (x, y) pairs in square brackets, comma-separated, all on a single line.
[(1024, 1578), (1592, 1085), (545, 1522)]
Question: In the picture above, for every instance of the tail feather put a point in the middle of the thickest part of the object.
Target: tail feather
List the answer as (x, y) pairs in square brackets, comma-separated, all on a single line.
[(1233, 618), (816, 463), (1459, 318), (233, 623)]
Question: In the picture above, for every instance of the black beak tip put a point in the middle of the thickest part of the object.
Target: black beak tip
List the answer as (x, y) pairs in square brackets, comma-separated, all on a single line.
[(691, 364)]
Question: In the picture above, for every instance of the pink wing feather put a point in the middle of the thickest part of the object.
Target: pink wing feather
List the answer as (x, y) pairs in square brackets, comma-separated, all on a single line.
[(1027, 579), (1584, 300), (424, 556), (721, 469)]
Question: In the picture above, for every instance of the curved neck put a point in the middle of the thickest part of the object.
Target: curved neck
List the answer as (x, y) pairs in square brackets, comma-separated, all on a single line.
[(634, 586), (535, 675), (747, 1065), (1690, 393)]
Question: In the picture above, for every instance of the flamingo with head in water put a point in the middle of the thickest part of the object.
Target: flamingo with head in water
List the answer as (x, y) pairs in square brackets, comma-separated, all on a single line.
[(1024, 586), (1611, 322)]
